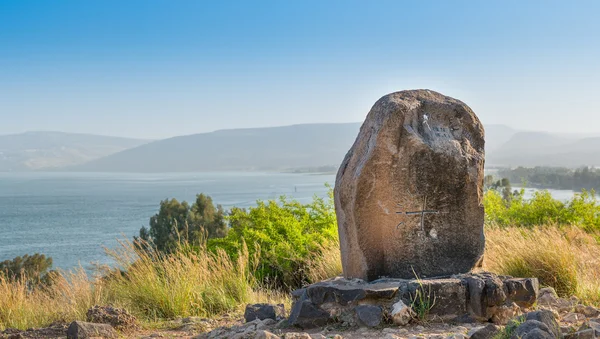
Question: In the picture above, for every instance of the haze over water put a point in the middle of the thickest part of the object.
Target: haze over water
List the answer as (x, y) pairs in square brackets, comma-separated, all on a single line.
[(72, 216)]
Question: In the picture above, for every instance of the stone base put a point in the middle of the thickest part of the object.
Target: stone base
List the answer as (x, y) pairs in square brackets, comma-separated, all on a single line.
[(472, 297)]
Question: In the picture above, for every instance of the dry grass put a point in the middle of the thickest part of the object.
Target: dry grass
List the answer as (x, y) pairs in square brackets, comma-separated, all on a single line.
[(567, 259), (326, 265), (69, 298), (199, 283), (185, 283)]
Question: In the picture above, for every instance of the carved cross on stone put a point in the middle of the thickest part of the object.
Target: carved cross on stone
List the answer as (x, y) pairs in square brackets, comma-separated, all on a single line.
[(422, 212)]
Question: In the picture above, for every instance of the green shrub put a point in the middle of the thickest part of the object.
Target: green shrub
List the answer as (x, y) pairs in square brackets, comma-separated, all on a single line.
[(283, 238), (178, 222), (583, 210)]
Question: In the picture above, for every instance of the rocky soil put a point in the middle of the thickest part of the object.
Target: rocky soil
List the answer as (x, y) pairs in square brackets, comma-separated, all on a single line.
[(554, 318)]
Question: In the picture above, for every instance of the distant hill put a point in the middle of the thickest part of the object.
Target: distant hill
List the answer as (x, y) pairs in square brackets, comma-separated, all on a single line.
[(531, 149), (294, 148), (297, 148), (496, 136), (51, 150), (253, 149)]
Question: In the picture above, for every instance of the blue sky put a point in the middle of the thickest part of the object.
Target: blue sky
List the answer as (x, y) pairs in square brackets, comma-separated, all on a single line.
[(155, 69)]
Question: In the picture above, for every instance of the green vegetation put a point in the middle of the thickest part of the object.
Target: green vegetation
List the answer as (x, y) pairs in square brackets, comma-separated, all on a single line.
[(583, 210), (177, 223), (555, 177), (422, 301), (33, 270), (186, 264), (283, 238)]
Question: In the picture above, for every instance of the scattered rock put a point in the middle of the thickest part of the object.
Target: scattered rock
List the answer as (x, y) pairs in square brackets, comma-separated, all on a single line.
[(588, 311), (585, 334), (294, 335), (573, 318), (401, 313), (264, 311), (548, 297), (117, 317), (83, 330), (533, 329), (503, 314), (416, 151), (546, 317), (369, 315), (265, 335), (305, 314), (487, 332)]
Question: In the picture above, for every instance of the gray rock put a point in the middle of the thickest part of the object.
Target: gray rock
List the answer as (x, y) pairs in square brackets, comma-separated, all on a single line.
[(263, 311), (446, 299), (305, 314), (546, 317), (532, 329), (265, 335), (294, 335), (588, 311), (83, 330), (548, 297), (487, 332), (119, 318), (408, 195), (369, 315), (585, 334), (522, 291)]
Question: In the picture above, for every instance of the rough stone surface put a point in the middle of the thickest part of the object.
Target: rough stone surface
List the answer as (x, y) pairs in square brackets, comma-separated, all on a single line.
[(401, 313), (117, 317), (585, 334), (408, 195), (464, 298), (265, 335), (546, 317), (263, 311), (447, 297), (369, 315), (305, 314), (487, 332), (83, 330), (533, 329)]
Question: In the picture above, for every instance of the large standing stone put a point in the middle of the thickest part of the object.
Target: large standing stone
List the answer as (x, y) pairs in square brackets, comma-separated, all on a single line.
[(408, 195)]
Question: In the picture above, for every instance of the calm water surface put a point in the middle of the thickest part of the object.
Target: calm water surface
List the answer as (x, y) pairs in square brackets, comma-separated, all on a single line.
[(72, 216)]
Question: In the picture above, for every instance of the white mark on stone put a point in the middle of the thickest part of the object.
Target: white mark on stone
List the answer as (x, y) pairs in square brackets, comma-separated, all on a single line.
[(433, 233), (425, 121)]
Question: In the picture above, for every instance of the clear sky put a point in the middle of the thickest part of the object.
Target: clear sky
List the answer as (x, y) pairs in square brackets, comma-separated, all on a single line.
[(154, 69)]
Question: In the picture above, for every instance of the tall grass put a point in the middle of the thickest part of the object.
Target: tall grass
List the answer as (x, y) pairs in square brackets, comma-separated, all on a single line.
[(184, 283), (567, 259), (67, 299), (327, 264)]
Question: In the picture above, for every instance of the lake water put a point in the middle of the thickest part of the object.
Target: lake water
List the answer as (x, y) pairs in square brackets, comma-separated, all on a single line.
[(72, 216)]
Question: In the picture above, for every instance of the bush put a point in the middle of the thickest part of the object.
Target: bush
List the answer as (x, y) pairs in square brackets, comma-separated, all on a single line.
[(178, 222), (283, 238), (33, 270), (583, 210)]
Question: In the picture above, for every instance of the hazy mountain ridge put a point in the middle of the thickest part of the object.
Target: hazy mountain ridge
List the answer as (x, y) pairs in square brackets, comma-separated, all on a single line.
[(50, 150), (263, 149), (272, 148)]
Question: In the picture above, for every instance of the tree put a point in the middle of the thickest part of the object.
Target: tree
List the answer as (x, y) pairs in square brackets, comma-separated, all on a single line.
[(178, 222), (33, 269)]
